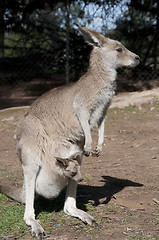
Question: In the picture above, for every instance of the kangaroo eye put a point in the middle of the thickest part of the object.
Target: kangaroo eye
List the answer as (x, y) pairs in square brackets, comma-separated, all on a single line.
[(119, 49)]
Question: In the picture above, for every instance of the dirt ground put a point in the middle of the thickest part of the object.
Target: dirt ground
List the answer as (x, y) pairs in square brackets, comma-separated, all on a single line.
[(120, 187)]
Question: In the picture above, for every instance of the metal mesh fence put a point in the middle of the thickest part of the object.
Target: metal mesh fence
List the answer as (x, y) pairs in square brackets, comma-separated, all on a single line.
[(46, 45), (23, 63), (27, 56)]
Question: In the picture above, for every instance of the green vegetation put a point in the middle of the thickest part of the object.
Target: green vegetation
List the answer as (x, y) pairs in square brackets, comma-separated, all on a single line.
[(11, 215), (140, 238), (33, 36), (48, 212)]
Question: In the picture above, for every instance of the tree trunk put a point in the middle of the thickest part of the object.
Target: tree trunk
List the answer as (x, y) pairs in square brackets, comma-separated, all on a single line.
[(156, 39), (1, 32), (67, 39)]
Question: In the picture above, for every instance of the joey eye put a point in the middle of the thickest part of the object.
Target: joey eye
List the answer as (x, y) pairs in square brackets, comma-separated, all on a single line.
[(119, 50)]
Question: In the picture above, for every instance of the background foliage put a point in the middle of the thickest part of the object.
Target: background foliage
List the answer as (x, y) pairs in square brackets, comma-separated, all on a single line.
[(40, 38)]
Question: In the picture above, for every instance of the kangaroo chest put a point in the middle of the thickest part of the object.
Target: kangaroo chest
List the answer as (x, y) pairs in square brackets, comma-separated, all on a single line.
[(100, 105)]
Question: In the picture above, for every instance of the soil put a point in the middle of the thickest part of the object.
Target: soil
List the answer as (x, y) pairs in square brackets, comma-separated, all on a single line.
[(120, 188), (24, 93)]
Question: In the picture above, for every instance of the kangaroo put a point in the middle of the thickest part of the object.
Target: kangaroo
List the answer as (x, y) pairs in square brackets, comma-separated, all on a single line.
[(58, 126)]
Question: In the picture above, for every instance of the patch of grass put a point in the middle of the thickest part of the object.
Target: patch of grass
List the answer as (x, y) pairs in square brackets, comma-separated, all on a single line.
[(10, 176), (7, 126), (156, 220), (11, 217), (156, 105), (116, 110), (3, 198), (131, 109), (112, 208), (87, 177), (49, 213), (140, 238), (89, 207)]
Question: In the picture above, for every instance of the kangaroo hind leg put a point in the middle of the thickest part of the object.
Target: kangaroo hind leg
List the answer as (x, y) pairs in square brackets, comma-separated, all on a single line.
[(31, 169)]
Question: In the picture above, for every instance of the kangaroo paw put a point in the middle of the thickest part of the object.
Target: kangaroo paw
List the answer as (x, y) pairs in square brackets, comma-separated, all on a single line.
[(96, 152)]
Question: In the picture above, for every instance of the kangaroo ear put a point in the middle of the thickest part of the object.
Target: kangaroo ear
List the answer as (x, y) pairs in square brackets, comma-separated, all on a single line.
[(92, 37)]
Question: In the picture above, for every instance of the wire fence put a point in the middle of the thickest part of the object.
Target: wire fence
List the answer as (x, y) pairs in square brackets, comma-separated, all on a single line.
[(23, 63), (45, 52)]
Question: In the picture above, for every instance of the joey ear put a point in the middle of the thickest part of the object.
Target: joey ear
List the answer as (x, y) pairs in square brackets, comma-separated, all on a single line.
[(62, 162), (92, 37)]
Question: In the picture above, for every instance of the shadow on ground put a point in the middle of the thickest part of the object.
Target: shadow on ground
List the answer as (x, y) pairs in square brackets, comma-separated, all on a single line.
[(85, 193)]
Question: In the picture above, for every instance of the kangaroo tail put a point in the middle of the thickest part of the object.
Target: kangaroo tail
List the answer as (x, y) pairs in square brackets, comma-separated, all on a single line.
[(12, 192)]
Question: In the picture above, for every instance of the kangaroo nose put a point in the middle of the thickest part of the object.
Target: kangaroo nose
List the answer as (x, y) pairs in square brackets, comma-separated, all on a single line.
[(137, 58)]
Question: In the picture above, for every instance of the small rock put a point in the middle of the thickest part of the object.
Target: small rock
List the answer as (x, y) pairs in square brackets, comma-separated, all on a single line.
[(155, 200)]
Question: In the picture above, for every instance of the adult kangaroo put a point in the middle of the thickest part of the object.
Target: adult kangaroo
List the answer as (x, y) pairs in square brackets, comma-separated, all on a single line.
[(57, 127)]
